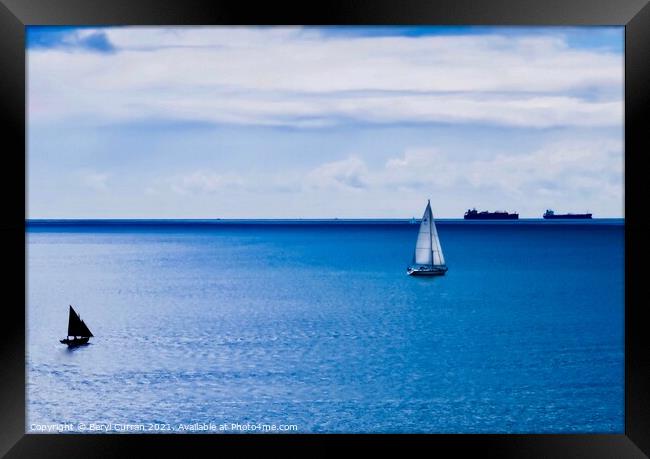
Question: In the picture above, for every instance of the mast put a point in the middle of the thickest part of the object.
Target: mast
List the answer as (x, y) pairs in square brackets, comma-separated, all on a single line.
[(430, 225)]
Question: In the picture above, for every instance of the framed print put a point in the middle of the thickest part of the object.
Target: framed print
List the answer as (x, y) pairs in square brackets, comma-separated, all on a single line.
[(360, 223)]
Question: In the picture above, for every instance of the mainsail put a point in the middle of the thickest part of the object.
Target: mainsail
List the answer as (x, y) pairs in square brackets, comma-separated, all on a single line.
[(76, 326), (427, 247), (423, 252), (438, 257)]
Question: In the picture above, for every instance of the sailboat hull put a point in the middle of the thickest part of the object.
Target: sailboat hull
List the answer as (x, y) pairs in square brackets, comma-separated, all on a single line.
[(74, 341), (427, 271)]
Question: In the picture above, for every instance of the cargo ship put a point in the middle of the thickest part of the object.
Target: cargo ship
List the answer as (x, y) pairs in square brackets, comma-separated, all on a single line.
[(473, 214), (550, 215)]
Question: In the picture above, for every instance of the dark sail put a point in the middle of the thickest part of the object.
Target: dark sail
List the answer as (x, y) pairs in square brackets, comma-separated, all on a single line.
[(76, 326)]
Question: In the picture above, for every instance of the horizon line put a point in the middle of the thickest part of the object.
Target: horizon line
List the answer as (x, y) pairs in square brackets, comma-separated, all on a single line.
[(298, 219)]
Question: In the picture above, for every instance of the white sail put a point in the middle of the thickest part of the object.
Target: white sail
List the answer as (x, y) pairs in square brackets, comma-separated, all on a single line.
[(423, 252), (427, 247), (438, 257)]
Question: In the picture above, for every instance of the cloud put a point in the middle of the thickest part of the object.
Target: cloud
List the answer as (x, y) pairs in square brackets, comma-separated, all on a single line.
[(68, 39), (555, 167), (587, 173), (202, 182), (523, 121), (297, 77), (347, 174)]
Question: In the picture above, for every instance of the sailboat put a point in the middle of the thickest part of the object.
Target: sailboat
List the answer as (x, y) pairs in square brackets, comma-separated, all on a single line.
[(428, 259), (77, 329)]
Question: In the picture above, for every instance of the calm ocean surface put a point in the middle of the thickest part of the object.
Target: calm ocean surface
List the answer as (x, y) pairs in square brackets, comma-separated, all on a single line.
[(318, 325)]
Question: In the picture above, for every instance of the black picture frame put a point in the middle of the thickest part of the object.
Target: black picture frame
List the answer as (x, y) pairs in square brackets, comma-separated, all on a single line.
[(16, 14)]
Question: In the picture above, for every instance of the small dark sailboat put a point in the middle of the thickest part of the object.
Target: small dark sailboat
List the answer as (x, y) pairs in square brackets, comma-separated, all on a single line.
[(77, 330)]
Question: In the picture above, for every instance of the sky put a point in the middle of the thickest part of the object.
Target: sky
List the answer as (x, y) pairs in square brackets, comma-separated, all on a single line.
[(323, 122)]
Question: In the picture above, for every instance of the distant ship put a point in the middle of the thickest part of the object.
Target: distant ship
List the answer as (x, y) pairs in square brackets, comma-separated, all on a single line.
[(77, 329), (550, 215), (474, 214), (428, 259)]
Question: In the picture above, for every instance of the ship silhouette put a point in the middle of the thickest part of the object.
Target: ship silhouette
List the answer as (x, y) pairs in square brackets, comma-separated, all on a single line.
[(77, 329), (550, 215), (473, 214)]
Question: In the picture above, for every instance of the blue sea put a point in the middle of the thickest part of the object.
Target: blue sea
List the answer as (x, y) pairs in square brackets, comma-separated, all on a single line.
[(316, 325)]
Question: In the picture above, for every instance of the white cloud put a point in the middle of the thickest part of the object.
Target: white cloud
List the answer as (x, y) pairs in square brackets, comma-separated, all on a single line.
[(202, 181), (294, 77), (564, 164), (349, 173), (301, 78), (586, 173)]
